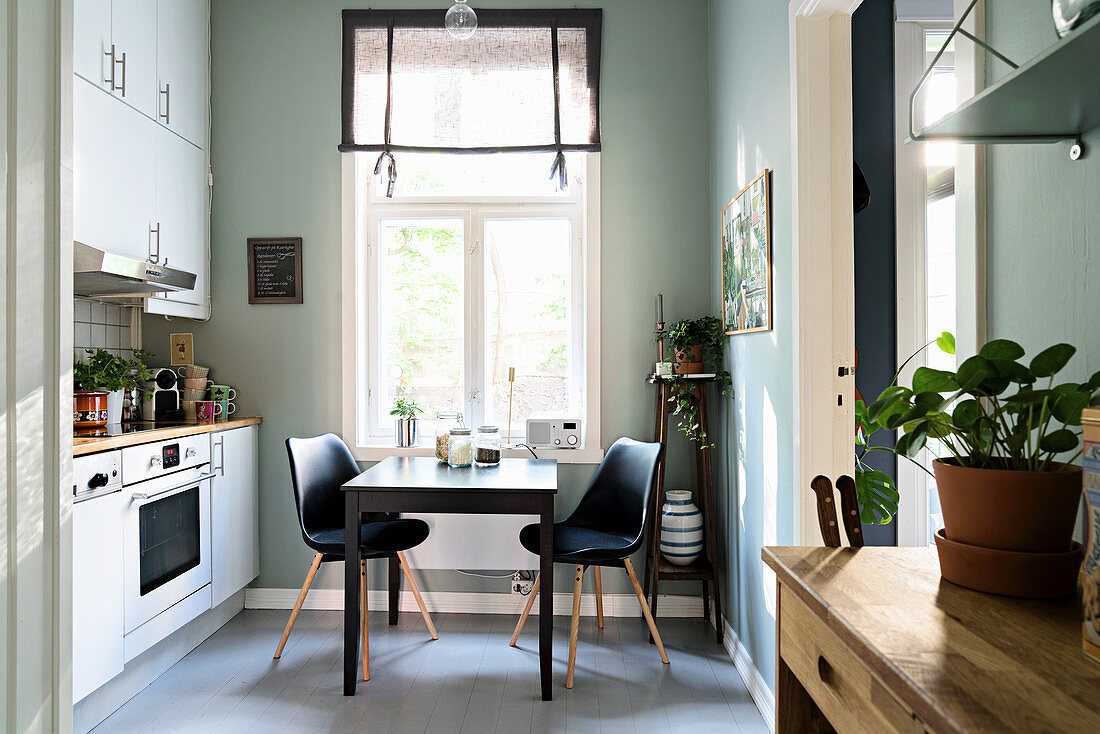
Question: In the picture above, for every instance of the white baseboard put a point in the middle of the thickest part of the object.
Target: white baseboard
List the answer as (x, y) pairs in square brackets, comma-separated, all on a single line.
[(762, 696), (469, 602)]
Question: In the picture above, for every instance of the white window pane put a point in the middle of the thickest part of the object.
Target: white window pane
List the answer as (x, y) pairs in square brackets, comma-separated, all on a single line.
[(505, 174), (420, 314), (527, 320)]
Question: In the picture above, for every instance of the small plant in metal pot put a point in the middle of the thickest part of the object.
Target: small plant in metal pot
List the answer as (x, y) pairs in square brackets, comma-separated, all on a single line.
[(405, 410), (1008, 435), (697, 344)]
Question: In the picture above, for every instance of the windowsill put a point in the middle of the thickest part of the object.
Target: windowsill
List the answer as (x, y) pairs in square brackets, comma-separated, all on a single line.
[(563, 456)]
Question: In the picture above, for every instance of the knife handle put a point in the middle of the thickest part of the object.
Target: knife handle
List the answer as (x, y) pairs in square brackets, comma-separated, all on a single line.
[(849, 511), (826, 511)]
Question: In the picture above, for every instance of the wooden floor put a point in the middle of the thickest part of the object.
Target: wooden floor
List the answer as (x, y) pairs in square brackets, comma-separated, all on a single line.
[(469, 681)]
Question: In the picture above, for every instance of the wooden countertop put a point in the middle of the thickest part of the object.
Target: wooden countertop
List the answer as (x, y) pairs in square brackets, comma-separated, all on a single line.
[(95, 444), (963, 661)]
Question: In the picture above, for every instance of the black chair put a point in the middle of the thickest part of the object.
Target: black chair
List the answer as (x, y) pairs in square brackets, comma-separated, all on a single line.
[(319, 466), (605, 529)]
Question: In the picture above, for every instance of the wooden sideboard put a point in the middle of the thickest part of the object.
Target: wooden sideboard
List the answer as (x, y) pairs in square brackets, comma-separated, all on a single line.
[(873, 640)]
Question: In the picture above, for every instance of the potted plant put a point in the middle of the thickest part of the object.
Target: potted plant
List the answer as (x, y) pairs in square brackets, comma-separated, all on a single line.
[(405, 411), (110, 373), (1007, 436), (697, 344)]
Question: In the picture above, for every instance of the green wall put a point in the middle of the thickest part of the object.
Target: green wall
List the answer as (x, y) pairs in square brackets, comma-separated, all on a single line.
[(750, 129), (276, 124)]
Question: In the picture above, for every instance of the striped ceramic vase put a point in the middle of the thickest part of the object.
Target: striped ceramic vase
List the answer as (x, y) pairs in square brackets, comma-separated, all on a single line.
[(681, 528)]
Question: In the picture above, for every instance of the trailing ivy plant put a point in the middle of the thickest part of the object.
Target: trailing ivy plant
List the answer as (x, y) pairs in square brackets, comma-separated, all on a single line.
[(708, 333), (105, 371), (406, 409), (994, 412)]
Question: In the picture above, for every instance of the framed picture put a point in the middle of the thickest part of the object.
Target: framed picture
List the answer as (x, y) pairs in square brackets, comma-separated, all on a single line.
[(275, 270), (747, 259)]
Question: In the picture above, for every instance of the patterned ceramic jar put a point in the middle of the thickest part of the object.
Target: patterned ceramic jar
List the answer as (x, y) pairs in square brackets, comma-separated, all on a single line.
[(681, 528), (89, 408)]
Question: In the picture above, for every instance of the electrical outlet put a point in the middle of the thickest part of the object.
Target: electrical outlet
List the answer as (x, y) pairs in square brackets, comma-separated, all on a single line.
[(521, 585)]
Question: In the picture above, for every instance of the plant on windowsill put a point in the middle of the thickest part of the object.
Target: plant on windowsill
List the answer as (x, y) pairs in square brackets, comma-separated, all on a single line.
[(1004, 484), (696, 343), (405, 410), (110, 373)]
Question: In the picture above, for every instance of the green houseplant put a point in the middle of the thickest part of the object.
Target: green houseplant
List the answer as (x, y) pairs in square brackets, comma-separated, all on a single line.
[(1007, 434), (697, 343), (405, 410), (104, 371)]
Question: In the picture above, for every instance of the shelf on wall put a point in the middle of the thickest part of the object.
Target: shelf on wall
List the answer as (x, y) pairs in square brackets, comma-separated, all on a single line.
[(1055, 96)]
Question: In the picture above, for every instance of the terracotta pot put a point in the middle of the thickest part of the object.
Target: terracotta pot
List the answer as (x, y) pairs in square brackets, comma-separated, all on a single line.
[(1010, 573), (1009, 510), (89, 408), (689, 360)]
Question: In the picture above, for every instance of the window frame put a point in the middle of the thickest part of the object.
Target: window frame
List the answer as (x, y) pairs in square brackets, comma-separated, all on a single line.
[(363, 208)]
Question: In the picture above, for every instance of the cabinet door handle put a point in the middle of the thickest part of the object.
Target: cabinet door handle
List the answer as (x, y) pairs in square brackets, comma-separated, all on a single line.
[(220, 468), (123, 87), (111, 81), (155, 258), (167, 92)]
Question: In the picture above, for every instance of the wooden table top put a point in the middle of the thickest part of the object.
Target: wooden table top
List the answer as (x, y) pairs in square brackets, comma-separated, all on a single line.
[(962, 660), (428, 474), (94, 444)]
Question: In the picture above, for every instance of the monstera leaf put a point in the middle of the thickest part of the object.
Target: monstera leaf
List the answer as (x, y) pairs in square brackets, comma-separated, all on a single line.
[(877, 495)]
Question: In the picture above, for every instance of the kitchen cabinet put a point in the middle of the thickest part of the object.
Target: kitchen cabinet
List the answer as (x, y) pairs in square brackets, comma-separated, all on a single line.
[(182, 40), (180, 239), (114, 173), (98, 594), (234, 511), (92, 41), (130, 28)]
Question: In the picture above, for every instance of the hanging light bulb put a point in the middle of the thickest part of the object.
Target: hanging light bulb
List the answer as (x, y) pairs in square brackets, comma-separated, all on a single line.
[(461, 20)]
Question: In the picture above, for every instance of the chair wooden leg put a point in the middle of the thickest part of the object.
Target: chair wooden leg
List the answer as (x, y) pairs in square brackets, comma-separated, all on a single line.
[(298, 604), (645, 610), (575, 628), (363, 614), (526, 610), (416, 594), (599, 597)]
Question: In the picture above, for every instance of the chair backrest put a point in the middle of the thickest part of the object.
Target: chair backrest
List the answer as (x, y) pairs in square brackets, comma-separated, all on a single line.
[(618, 498), (319, 466)]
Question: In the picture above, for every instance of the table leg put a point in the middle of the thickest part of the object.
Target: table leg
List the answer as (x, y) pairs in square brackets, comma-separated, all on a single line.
[(546, 595), (352, 519), (394, 587)]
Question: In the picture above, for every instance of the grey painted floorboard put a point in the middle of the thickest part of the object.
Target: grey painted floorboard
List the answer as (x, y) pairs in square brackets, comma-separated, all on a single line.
[(467, 682)]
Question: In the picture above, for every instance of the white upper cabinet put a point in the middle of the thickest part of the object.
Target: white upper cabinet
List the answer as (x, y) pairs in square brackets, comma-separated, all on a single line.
[(114, 173), (181, 219), (182, 30), (92, 40), (134, 36)]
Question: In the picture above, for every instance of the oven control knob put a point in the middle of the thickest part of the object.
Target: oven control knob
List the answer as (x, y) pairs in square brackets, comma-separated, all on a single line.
[(557, 442), (572, 440), (97, 480), (190, 452), (154, 461)]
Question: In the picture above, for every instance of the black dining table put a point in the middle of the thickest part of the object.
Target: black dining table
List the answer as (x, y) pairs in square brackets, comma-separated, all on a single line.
[(423, 484)]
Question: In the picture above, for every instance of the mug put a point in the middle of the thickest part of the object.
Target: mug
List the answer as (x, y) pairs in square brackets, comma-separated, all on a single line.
[(189, 394), (222, 392), (193, 372), (197, 383), (188, 410), (206, 410), (226, 409)]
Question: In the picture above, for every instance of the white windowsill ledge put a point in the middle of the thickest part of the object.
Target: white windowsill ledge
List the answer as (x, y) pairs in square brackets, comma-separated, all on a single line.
[(563, 456)]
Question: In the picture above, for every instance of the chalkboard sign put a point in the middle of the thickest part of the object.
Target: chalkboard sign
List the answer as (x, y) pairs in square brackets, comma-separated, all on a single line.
[(275, 270)]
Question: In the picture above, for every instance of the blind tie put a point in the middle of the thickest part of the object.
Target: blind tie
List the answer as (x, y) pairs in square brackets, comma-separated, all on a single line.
[(391, 172)]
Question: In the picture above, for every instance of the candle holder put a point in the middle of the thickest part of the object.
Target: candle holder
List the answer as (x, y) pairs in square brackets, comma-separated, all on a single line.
[(663, 368)]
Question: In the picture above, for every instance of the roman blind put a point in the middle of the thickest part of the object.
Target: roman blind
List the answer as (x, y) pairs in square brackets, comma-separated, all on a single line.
[(527, 81)]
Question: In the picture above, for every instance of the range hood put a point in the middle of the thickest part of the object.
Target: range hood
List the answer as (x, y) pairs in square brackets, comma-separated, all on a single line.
[(106, 275)]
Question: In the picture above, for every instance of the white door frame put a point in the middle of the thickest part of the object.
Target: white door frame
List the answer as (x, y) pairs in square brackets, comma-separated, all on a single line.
[(36, 352), (822, 171)]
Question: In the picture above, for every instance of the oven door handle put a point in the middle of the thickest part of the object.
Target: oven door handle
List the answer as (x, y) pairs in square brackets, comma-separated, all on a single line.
[(150, 495)]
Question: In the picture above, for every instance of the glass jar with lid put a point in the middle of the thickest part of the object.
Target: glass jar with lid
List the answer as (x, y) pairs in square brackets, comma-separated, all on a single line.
[(487, 446), (445, 420), (460, 447)]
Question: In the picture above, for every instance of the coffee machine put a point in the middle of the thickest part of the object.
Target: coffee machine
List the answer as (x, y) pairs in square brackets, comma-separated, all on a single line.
[(161, 397)]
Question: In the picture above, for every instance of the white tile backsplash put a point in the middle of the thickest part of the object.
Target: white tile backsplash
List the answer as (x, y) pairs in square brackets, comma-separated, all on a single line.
[(99, 325)]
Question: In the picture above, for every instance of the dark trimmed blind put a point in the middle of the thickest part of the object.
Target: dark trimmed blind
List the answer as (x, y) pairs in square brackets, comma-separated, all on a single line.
[(527, 81)]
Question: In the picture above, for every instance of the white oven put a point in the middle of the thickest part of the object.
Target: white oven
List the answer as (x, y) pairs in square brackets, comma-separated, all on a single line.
[(166, 528)]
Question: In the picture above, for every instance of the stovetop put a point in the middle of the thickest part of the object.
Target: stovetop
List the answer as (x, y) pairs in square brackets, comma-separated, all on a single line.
[(121, 429)]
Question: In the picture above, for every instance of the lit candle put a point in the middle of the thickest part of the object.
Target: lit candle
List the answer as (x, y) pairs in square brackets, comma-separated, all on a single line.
[(660, 308)]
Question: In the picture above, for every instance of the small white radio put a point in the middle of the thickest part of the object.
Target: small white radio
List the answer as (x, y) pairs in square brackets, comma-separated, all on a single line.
[(554, 433)]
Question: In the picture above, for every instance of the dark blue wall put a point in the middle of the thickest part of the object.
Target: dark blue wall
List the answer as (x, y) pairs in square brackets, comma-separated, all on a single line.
[(875, 226)]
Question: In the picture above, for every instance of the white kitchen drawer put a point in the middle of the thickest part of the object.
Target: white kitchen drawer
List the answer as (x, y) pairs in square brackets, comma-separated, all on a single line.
[(144, 461)]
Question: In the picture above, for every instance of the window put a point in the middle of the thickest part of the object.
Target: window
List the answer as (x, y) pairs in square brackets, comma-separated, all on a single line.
[(477, 264)]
